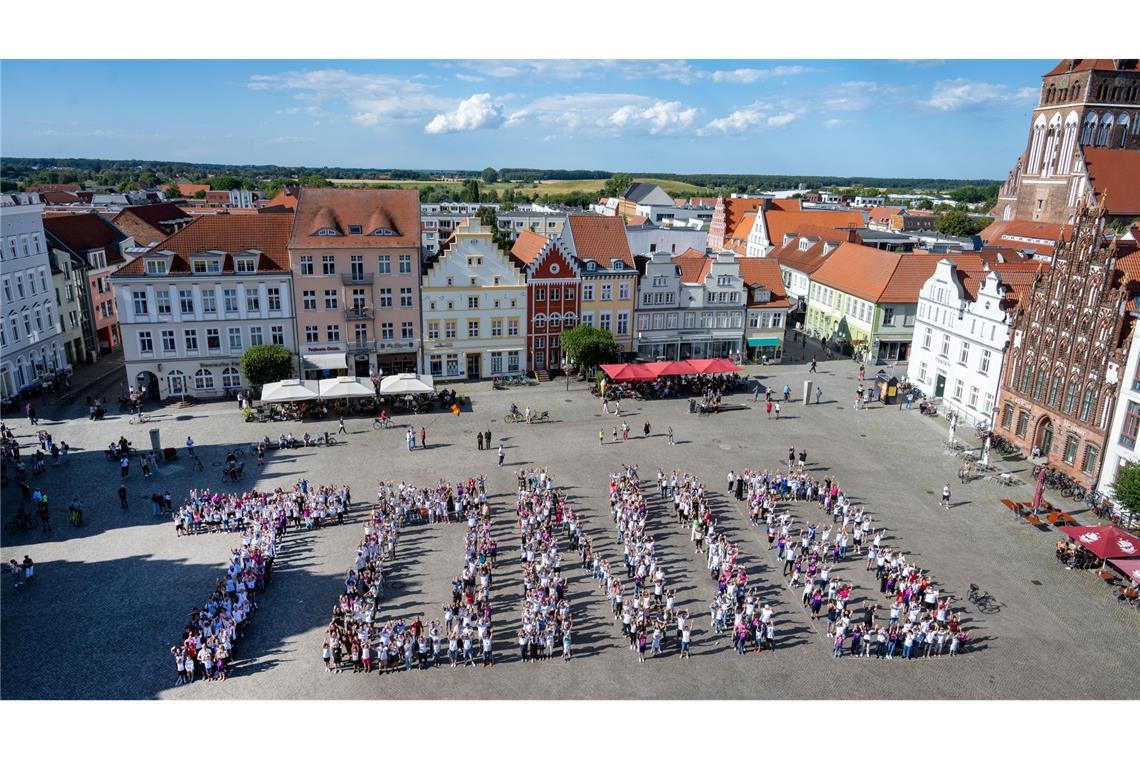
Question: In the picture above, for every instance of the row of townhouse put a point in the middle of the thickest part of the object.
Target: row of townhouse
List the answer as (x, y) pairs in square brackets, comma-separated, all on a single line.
[(341, 283)]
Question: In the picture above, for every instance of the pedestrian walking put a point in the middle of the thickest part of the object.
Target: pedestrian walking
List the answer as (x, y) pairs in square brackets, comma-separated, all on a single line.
[(31, 411), (812, 367), (617, 408), (756, 393), (777, 409), (909, 399), (646, 428), (669, 435), (818, 394), (340, 427), (423, 438), (122, 496), (487, 438), (862, 372), (615, 433), (145, 465), (601, 437), (479, 438), (124, 467), (605, 405), (29, 569), (946, 496), (768, 408), (500, 455)]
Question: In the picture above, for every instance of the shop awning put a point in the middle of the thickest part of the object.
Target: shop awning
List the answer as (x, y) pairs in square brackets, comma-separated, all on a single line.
[(325, 361), (406, 382), (757, 342), (289, 390), (347, 387)]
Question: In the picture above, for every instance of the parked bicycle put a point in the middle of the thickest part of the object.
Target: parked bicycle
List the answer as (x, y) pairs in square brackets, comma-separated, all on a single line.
[(139, 419), (983, 601)]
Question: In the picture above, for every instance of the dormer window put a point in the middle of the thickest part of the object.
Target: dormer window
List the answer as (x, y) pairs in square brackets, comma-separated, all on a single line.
[(156, 266), (804, 244), (354, 229), (590, 266), (618, 265), (384, 232), (327, 232), (207, 266), (245, 265)]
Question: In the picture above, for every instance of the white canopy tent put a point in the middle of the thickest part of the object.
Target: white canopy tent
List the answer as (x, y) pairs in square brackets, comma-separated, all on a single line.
[(347, 387), (405, 383), (285, 391)]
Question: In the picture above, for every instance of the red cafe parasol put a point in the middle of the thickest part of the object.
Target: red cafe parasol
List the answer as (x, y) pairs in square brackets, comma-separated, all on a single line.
[(1130, 567), (1105, 541)]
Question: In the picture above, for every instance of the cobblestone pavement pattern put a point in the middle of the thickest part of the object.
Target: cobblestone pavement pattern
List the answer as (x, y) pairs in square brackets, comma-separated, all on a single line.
[(110, 598)]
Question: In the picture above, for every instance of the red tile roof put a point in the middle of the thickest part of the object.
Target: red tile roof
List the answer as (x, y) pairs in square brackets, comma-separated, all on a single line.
[(878, 276), (267, 233), (44, 187), (527, 246), (601, 239), (882, 213), (1091, 64), (780, 222), (286, 197), (1114, 174), (693, 269), (763, 272), (370, 208), (700, 200), (86, 232), (58, 197), (189, 189), (155, 216), (637, 221), (690, 253), (735, 209), (737, 239)]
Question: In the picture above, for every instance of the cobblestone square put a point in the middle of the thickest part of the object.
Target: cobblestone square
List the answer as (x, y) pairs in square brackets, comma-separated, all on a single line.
[(109, 599)]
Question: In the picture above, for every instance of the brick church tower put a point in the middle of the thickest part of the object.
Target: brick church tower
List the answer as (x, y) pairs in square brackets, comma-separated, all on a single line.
[(1084, 139), (1068, 338)]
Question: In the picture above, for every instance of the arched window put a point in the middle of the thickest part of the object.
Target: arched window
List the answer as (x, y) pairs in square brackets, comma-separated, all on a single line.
[(1122, 122), (1070, 397), (1052, 137), (1065, 163), (1039, 387), (231, 378), (540, 321), (1105, 129), (203, 380), (1088, 130), (176, 381), (1026, 378), (1036, 145), (555, 321), (1054, 391), (1087, 404), (568, 320)]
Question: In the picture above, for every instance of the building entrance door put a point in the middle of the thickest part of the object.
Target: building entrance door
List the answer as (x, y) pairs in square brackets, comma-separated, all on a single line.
[(473, 361), (939, 386), (1046, 438)]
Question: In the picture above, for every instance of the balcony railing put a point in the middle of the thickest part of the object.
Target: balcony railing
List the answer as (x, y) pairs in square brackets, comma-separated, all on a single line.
[(357, 314), (357, 278), (361, 345)]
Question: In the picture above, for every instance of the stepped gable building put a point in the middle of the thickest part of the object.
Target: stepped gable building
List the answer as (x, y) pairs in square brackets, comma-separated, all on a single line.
[(552, 279), (1068, 340), (1084, 142)]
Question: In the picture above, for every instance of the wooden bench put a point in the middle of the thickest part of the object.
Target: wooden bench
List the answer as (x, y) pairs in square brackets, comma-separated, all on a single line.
[(1066, 517), (1010, 505), (1033, 520), (1105, 575)]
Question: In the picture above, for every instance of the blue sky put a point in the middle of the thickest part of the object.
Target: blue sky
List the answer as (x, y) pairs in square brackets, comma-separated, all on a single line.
[(952, 119)]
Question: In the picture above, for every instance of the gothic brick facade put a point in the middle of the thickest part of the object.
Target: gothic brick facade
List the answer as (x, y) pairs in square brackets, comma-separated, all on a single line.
[(1067, 342), (1083, 103)]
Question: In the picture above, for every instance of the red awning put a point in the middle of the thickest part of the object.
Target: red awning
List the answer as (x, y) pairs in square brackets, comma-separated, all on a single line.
[(703, 365), (1105, 541), (1130, 567), (665, 369), (627, 372)]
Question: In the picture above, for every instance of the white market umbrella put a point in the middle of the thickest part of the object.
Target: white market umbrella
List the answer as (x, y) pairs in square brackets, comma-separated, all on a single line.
[(347, 387), (289, 390), (407, 382)]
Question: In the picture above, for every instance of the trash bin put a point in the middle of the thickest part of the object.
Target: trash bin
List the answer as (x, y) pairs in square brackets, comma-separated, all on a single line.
[(808, 385), (692, 406), (155, 444)]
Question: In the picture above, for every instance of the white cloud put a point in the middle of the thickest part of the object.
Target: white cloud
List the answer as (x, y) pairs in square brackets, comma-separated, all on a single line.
[(833, 123), (476, 112), (756, 116), (604, 114), (371, 99), (468, 78), (749, 76), (959, 94), (853, 96)]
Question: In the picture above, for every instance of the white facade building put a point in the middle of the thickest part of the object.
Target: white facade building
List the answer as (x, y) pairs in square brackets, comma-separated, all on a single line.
[(647, 239), (1125, 427), (474, 309), (959, 339), (190, 307), (31, 342)]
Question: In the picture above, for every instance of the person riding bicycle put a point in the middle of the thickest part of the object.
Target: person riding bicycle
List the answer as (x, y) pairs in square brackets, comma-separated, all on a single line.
[(230, 459), (328, 438), (787, 392), (514, 409)]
